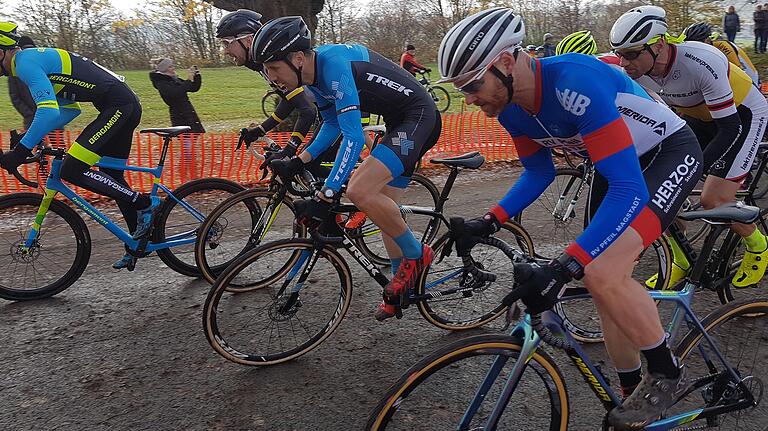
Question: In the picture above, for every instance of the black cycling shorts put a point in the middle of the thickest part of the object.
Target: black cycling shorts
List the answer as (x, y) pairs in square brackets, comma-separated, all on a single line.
[(406, 142), (671, 171), (110, 134)]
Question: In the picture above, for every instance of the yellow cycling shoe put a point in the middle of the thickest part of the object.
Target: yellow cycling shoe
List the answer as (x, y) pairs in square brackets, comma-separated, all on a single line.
[(678, 274), (751, 270)]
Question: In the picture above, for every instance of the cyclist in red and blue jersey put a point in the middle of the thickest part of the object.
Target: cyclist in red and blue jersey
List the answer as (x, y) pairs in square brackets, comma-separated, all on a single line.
[(58, 80), (638, 146), (345, 80)]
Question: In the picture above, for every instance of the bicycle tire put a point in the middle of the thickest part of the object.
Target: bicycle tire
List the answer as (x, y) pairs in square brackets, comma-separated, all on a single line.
[(368, 238), (699, 358), (181, 259), (397, 396), (269, 102), (232, 350), (208, 251), (556, 234), (12, 206), (440, 94), (453, 318)]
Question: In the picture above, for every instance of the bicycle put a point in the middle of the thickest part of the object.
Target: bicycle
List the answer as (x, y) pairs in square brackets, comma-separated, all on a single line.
[(455, 387), (36, 226), (300, 289), (439, 94), (269, 102), (258, 215)]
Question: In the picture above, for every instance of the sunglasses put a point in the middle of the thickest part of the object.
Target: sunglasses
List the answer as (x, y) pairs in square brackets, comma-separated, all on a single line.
[(631, 55), (226, 41), (472, 86)]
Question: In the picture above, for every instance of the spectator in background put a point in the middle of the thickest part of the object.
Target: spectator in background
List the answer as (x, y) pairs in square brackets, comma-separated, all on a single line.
[(759, 17), (549, 45), (731, 23), (174, 91), (409, 63), (20, 96)]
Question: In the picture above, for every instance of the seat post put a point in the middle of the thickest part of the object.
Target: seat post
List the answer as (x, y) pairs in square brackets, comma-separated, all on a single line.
[(166, 144), (447, 189)]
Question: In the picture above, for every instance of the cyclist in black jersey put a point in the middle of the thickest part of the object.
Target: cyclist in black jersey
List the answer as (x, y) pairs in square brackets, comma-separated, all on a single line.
[(58, 80), (236, 31)]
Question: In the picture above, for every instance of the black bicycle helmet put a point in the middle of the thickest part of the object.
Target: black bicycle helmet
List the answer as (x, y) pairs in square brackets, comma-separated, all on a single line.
[(698, 32), (241, 21), (280, 37)]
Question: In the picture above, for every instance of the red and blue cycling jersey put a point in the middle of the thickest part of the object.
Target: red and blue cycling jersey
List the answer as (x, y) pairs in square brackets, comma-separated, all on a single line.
[(583, 105)]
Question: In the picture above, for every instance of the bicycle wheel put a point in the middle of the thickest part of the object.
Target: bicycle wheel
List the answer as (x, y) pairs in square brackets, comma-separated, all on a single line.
[(733, 251), (421, 192), (435, 393), (455, 302), (175, 221), (269, 102), (580, 315), (743, 340), (557, 216), (56, 259), (441, 97), (240, 223), (291, 316)]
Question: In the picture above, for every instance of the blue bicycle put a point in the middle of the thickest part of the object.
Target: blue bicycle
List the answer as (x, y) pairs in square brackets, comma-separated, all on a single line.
[(45, 245), (510, 382)]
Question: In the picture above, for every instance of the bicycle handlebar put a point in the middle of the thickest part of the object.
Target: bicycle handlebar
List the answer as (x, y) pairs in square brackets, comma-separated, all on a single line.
[(35, 158)]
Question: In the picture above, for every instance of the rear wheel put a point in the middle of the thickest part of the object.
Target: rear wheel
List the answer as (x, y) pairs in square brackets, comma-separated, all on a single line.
[(56, 259), (441, 97), (175, 221)]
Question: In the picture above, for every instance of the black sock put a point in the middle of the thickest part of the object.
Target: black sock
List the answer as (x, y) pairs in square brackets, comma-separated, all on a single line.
[(143, 201), (629, 380), (660, 360)]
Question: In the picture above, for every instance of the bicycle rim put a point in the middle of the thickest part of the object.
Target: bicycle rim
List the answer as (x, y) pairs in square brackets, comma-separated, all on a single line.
[(270, 325), (743, 340), (435, 393)]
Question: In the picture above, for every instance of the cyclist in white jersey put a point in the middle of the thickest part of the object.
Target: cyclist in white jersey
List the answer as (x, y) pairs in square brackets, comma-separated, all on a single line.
[(720, 103)]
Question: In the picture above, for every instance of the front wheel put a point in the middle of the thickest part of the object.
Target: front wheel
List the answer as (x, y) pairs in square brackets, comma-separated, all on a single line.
[(57, 257), (453, 300), (441, 97), (180, 221), (307, 293), (436, 393), (269, 102), (239, 224)]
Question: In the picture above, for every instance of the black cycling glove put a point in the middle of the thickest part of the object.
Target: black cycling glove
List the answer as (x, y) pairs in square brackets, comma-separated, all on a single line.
[(312, 212), (11, 160), (474, 230)]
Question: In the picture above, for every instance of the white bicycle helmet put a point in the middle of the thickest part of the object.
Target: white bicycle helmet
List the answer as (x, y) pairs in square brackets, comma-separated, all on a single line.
[(638, 26), (477, 40)]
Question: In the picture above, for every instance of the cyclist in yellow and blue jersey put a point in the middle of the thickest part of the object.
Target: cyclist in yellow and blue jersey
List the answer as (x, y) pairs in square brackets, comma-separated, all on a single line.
[(702, 32), (58, 80)]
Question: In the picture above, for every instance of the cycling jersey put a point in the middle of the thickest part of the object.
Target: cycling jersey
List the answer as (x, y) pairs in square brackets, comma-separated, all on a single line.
[(703, 86), (409, 63), (699, 82), (290, 101), (350, 78), (57, 80), (572, 113), (737, 56)]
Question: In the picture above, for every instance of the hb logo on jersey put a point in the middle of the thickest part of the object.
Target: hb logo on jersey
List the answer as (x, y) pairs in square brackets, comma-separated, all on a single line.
[(572, 101)]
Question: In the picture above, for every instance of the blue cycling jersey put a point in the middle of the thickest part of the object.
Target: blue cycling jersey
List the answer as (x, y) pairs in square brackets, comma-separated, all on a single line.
[(613, 122), (58, 80), (348, 79)]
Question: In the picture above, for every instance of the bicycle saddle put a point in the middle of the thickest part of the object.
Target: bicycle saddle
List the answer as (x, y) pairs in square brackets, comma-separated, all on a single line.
[(731, 212), (378, 128), (167, 131), (471, 160)]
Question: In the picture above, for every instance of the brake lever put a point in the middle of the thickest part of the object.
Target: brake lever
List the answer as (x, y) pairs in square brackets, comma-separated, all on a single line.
[(241, 140), (20, 177)]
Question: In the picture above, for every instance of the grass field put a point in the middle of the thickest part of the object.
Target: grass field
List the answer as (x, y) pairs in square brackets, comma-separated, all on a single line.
[(229, 99)]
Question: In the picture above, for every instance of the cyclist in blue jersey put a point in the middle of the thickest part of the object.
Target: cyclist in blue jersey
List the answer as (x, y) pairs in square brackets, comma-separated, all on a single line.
[(637, 145), (58, 80), (346, 79)]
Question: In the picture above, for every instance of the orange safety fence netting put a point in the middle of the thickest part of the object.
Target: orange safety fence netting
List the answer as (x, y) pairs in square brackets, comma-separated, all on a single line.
[(213, 154)]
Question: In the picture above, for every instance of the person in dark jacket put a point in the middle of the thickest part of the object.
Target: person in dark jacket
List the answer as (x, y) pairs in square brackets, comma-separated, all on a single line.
[(761, 23), (548, 48), (174, 91), (21, 98), (731, 23)]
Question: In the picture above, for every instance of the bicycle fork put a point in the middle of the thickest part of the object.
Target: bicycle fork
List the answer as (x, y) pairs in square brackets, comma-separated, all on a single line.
[(41, 212), (290, 296)]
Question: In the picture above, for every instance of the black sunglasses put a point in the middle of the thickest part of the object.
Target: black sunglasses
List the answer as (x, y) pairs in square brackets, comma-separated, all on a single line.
[(471, 87), (632, 55)]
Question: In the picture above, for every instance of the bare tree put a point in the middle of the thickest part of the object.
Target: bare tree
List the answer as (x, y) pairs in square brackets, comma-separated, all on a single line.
[(337, 21), (309, 9)]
